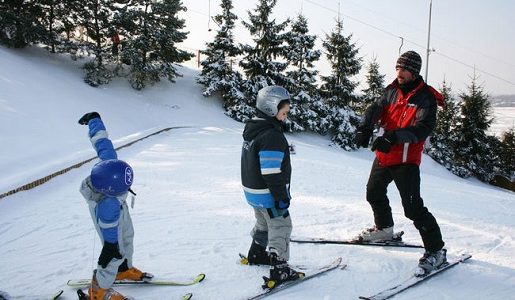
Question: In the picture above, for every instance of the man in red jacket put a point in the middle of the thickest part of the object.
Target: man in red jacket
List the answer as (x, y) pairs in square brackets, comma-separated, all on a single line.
[(406, 115)]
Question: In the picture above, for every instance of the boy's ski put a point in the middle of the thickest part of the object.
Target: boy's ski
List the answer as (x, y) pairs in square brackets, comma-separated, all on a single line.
[(85, 282), (267, 292), (414, 280), (396, 242), (84, 296)]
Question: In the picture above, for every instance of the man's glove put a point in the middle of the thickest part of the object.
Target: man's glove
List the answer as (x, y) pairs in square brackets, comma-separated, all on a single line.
[(363, 135), (384, 143), (282, 204), (84, 120), (109, 251)]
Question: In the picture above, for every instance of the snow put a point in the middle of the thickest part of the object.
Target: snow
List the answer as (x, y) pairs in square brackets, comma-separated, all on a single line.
[(190, 215)]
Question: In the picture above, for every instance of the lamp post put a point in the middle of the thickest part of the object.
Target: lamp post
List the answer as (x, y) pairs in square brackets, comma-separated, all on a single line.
[(428, 39)]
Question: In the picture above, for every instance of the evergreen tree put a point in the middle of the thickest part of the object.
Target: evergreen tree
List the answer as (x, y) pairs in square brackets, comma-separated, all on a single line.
[(60, 20), (474, 149), (443, 142), (375, 87), (217, 74), (338, 89), (151, 30), (260, 62), (507, 154), (301, 76), (20, 23), (96, 17)]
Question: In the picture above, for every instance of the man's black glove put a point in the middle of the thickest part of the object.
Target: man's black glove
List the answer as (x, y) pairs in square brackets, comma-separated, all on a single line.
[(84, 120), (109, 251), (282, 204), (363, 135), (384, 143)]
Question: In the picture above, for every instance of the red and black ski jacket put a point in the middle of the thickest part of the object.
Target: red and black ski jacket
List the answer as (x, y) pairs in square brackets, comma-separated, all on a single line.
[(411, 117)]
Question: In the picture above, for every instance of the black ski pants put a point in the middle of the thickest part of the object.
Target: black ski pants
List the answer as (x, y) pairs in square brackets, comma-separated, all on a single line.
[(407, 180)]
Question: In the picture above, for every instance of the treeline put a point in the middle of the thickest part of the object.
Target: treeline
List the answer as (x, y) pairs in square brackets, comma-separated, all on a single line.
[(135, 39), (284, 53)]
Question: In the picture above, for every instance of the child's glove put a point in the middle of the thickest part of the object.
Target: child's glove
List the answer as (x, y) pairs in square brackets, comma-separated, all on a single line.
[(282, 204), (109, 251), (84, 120)]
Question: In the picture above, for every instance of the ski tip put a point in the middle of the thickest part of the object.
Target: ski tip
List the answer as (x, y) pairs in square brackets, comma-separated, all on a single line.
[(57, 295), (82, 295), (200, 277), (187, 296), (243, 260)]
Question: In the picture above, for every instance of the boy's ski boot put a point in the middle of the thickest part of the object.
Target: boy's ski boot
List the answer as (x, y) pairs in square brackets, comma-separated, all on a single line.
[(375, 235), (98, 293), (258, 255), (132, 274), (280, 272), (431, 261)]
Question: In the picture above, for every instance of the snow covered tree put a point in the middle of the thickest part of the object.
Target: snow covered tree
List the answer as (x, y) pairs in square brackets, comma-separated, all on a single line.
[(217, 74), (151, 30), (20, 23), (507, 154), (95, 16), (475, 150), (375, 87), (301, 77), (260, 63), (443, 141), (338, 89)]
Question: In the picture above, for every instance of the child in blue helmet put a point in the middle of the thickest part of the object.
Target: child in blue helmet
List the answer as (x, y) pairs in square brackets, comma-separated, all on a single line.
[(105, 191)]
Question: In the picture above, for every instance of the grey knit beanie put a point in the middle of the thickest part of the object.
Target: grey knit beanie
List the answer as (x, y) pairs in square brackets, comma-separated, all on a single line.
[(410, 61)]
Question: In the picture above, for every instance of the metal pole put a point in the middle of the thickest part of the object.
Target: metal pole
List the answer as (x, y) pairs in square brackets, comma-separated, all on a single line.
[(428, 39)]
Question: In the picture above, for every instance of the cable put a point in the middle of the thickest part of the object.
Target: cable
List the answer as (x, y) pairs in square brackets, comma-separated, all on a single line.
[(414, 43)]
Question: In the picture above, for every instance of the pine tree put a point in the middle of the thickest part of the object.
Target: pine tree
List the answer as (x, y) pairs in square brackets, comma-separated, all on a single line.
[(151, 32), (217, 73), (20, 23), (96, 17), (444, 139), (301, 83), (338, 89), (474, 149), (60, 20), (375, 87), (260, 63), (507, 154)]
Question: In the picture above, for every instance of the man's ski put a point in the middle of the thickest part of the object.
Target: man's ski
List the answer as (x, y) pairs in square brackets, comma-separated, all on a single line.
[(85, 282), (414, 280), (396, 242), (84, 296), (267, 292)]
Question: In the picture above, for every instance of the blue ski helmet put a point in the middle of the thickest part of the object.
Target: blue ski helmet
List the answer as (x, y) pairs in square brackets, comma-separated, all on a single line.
[(112, 177)]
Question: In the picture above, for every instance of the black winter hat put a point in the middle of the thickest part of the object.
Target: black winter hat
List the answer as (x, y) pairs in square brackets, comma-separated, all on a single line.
[(410, 61)]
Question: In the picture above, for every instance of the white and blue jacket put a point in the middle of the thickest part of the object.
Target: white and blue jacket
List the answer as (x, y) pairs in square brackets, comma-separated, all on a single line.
[(265, 162)]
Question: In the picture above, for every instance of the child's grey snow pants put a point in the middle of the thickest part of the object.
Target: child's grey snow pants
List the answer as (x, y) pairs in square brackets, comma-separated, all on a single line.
[(273, 229)]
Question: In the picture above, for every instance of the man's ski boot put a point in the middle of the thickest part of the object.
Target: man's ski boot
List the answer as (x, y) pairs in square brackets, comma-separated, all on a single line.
[(375, 235), (431, 261), (133, 274), (98, 293), (258, 255), (280, 272)]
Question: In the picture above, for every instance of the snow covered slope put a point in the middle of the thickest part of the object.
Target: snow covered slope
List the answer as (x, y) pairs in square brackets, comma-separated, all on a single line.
[(190, 216)]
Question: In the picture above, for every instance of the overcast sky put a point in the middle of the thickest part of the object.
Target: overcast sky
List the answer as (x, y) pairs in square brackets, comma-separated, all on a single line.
[(464, 33)]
